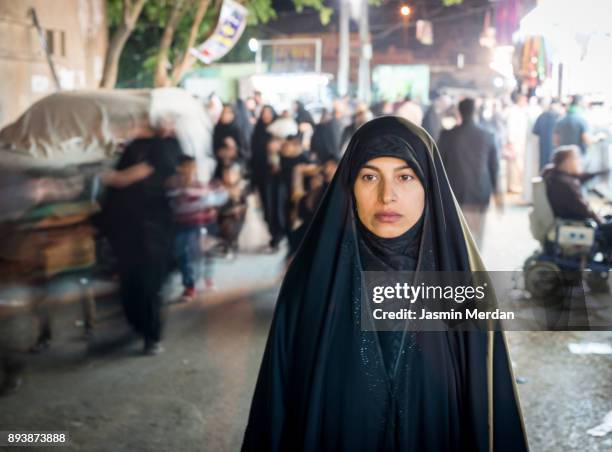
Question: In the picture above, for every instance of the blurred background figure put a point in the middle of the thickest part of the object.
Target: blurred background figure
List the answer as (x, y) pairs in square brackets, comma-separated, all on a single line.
[(258, 165), (361, 116), (227, 127), (410, 111), (471, 160), (232, 213), (310, 180), (544, 129), (326, 137), (432, 121), (138, 221), (516, 141), (195, 207), (564, 178), (572, 128), (214, 107), (245, 123)]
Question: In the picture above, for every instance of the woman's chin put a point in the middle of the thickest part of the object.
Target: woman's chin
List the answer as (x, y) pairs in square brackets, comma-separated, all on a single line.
[(388, 230)]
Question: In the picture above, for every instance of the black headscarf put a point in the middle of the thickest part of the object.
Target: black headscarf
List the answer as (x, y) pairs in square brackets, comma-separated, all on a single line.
[(325, 384), (259, 144), (398, 253), (223, 130), (302, 115)]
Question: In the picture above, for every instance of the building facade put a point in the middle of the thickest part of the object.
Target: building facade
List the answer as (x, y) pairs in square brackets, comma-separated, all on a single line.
[(76, 36)]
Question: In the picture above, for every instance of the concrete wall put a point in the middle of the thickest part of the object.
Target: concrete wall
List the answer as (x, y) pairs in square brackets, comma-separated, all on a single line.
[(79, 34)]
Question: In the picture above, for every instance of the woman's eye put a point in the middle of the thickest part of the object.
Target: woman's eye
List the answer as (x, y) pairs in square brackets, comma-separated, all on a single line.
[(405, 177), (368, 177)]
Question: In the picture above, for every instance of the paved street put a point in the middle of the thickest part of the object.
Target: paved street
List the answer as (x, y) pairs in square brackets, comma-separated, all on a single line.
[(195, 396)]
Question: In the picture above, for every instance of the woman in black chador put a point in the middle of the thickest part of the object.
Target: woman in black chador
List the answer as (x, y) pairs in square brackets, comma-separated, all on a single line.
[(326, 385)]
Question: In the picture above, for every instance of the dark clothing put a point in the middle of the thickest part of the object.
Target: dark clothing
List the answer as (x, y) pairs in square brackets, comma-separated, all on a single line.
[(325, 140), (302, 115), (306, 208), (564, 194), (325, 383), (570, 129), (138, 222), (261, 179), (245, 126), (471, 162), (220, 133), (544, 128)]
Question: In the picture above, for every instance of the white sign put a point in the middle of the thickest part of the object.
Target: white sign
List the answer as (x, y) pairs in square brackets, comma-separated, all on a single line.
[(231, 25)]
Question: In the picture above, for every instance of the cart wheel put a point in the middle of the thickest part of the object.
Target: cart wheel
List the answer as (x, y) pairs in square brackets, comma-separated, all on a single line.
[(544, 281)]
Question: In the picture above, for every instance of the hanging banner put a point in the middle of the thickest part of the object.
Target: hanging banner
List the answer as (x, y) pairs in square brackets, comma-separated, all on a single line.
[(424, 32), (232, 22)]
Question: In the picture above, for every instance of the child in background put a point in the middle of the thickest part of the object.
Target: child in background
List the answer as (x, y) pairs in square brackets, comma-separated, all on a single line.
[(195, 207)]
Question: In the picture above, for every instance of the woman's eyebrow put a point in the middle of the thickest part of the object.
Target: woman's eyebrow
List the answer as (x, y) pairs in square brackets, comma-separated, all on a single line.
[(373, 167)]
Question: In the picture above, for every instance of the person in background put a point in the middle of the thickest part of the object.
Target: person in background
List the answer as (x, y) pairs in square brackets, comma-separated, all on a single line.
[(195, 207), (564, 178), (471, 160), (325, 139), (259, 103), (544, 129), (361, 116), (317, 178), (258, 165), (514, 150), (302, 116), (245, 126), (410, 111), (227, 127), (291, 154), (138, 221), (492, 119), (573, 129), (232, 213), (214, 107), (227, 155), (432, 121)]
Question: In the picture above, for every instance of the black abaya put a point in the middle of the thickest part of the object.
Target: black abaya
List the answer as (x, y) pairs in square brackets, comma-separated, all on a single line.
[(326, 385)]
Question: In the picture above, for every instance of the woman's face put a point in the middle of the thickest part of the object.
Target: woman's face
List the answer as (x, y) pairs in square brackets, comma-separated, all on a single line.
[(390, 197)]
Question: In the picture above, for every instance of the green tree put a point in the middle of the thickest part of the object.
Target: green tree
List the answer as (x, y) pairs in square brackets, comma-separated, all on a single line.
[(164, 30)]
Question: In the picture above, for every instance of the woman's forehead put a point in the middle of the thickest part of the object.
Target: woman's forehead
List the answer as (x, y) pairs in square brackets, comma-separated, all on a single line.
[(386, 162)]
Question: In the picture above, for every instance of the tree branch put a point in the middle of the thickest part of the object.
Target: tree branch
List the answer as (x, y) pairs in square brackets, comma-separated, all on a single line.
[(161, 68), (185, 59)]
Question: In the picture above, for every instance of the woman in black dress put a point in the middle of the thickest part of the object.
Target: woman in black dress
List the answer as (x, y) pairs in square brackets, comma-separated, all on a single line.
[(327, 385)]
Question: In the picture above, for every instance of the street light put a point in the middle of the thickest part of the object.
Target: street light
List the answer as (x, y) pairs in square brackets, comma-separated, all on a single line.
[(405, 10), (253, 45)]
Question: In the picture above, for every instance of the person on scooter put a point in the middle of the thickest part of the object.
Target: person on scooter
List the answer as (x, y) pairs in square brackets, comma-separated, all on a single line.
[(564, 179)]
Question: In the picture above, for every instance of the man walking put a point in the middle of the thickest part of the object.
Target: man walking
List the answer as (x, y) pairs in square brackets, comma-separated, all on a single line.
[(471, 160)]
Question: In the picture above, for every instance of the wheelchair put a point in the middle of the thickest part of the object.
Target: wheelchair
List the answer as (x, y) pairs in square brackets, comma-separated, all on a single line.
[(570, 251)]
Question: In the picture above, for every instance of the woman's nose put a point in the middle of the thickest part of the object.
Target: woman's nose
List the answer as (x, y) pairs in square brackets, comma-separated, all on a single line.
[(387, 193)]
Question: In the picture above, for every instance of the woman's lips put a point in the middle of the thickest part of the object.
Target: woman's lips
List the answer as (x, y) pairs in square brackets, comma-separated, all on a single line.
[(387, 217)]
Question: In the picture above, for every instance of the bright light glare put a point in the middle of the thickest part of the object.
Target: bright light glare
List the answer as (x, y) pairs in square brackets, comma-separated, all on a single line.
[(405, 10), (253, 45)]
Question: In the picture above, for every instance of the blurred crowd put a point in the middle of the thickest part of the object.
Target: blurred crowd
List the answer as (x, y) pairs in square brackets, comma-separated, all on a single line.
[(273, 166)]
